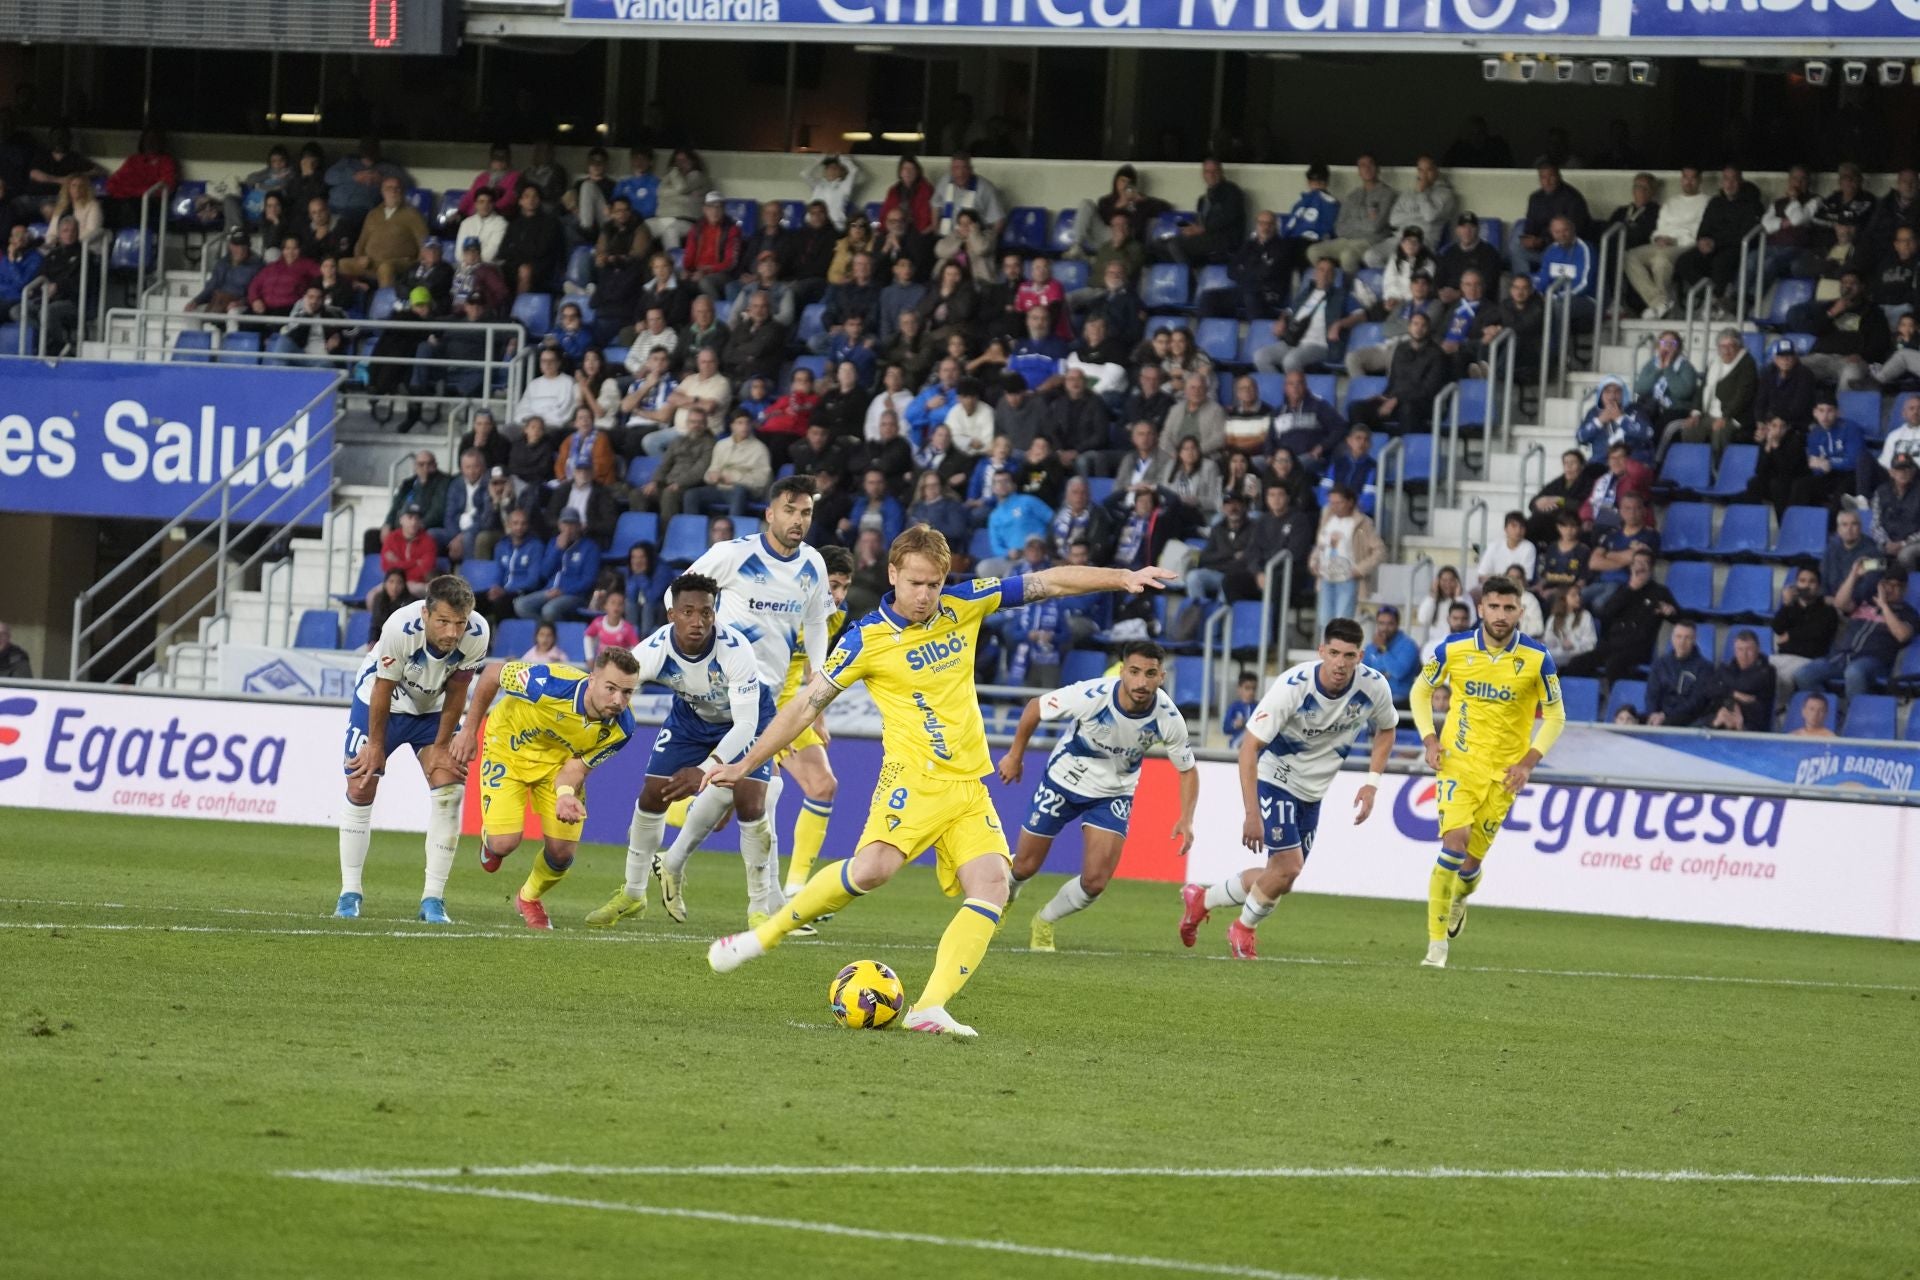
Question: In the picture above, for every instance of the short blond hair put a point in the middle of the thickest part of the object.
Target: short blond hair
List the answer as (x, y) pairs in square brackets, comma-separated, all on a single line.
[(921, 540)]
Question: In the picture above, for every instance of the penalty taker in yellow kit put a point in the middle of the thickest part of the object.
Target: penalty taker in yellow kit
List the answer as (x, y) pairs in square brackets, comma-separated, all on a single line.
[(916, 654), (1499, 682)]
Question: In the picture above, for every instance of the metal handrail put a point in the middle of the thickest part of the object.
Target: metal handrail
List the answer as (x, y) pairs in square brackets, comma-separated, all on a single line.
[(1448, 403), (1558, 291), (352, 515), (1612, 252), (1700, 294), (141, 287), (104, 238), (1619, 295), (1500, 374), (1393, 480), (1209, 643), (1757, 253), (1423, 561), (220, 490), (1567, 339), (1534, 451), (1284, 561), (1478, 507), (44, 287), (266, 603)]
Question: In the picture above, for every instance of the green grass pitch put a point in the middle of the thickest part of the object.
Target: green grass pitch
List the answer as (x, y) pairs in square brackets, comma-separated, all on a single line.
[(184, 1025)]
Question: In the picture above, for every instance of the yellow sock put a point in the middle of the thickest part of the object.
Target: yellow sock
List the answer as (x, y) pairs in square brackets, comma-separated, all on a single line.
[(1467, 883), (677, 811), (1440, 889), (830, 889), (542, 878), (809, 833), (962, 947)]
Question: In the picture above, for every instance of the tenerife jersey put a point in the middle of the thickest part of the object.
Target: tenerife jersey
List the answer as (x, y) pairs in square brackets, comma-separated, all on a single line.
[(1099, 754), (540, 722), (920, 676), (776, 602), (419, 674), (1496, 694), (720, 686), (797, 668), (1307, 731)]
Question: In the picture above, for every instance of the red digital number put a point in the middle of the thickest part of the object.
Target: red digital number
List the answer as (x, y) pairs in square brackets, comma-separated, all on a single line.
[(376, 10)]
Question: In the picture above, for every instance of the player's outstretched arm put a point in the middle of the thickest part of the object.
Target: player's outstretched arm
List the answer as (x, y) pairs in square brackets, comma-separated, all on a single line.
[(1080, 580), (466, 743), (785, 727), (1013, 762), (1252, 833), (1376, 765)]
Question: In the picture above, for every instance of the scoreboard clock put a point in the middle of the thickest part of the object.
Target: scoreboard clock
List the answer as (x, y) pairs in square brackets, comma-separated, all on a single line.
[(420, 27)]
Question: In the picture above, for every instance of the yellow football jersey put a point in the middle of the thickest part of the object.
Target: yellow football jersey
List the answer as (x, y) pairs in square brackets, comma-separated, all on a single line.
[(539, 722), (797, 668), (920, 676), (1496, 694)]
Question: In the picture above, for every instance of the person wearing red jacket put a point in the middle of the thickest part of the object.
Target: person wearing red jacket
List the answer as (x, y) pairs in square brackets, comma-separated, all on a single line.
[(711, 255), (913, 192), (1624, 475), (789, 417), (278, 285), (409, 549), (148, 164)]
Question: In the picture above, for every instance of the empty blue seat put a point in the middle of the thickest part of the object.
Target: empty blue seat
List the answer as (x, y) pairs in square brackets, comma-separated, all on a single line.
[(1627, 693), (359, 629), (1244, 627), (1906, 678), (1870, 715), (1026, 230), (1083, 664), (815, 365), (746, 213), (319, 629), (1419, 469), (447, 218), (635, 526), (1736, 468), (1474, 401), (792, 214), (641, 470), (1365, 387), (513, 637), (1687, 530), (18, 338), (1071, 273), (482, 575), (1692, 586), (572, 639), (1744, 531), (124, 255), (1368, 334), (1168, 224), (1581, 696), (1219, 337), (580, 266), (534, 311), (1862, 409), (1188, 680), (1787, 294), (1213, 276), (193, 346), (185, 196), (1324, 385), (1688, 468), (1706, 636), (1099, 487), (1371, 277), (813, 322), (980, 545), (370, 576), (686, 540), (1164, 286), (1756, 344), (1746, 593), (240, 348), (424, 201), (1064, 232), (387, 301), (1494, 231)]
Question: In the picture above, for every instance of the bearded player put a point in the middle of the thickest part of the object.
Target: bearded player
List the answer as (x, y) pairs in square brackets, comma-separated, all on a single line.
[(916, 653), (1295, 740), (1092, 773), (1498, 682)]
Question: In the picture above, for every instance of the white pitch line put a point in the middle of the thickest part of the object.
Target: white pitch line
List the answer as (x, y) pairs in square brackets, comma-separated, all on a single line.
[(346, 930), (839, 1230), (1432, 1173)]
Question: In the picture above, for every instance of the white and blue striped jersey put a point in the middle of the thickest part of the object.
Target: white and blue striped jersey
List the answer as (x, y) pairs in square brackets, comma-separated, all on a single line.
[(1099, 754), (419, 674), (770, 599), (721, 685), (1307, 731)]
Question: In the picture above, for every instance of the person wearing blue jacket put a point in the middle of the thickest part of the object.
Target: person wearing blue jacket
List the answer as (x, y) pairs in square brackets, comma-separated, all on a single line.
[(469, 510), (1677, 678), (1392, 654), (877, 506), (641, 188), (929, 409), (1312, 217), (1613, 420), (1567, 258), (18, 266), (519, 555), (1016, 517), (1834, 446), (568, 570)]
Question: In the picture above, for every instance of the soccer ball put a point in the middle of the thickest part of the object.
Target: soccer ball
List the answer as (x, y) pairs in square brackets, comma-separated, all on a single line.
[(866, 996)]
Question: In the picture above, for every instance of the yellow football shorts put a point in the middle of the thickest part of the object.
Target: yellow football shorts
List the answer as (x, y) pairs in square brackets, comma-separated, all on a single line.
[(506, 792), (1477, 801), (954, 816)]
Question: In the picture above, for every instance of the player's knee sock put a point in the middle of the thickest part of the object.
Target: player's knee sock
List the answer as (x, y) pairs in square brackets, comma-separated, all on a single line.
[(1015, 883), (643, 842), (356, 830), (443, 836), (756, 850), (1440, 887), (961, 948), (1072, 897), (696, 824), (830, 890), (1469, 881), (1228, 893), (677, 811), (809, 833), (1253, 910), (546, 873)]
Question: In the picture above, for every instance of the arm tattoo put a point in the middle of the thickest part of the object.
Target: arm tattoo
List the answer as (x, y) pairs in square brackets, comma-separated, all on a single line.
[(823, 693), (1037, 588)]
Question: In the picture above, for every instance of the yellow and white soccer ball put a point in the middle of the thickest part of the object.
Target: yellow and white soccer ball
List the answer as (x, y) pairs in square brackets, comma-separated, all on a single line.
[(866, 996)]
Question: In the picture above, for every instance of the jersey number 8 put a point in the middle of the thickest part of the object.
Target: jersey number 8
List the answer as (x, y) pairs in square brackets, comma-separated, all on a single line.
[(898, 800)]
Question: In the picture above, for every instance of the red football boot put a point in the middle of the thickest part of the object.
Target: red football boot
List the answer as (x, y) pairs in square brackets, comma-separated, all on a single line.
[(1195, 915), (1240, 941), (532, 912)]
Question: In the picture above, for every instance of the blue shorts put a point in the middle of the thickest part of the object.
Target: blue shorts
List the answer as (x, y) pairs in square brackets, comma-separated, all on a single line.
[(1053, 808), (1286, 820), (403, 730), (685, 741)]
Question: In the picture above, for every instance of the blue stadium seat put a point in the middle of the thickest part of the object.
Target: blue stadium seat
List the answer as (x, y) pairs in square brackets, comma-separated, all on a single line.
[(124, 255), (579, 301), (1756, 344), (193, 346), (1785, 296), (572, 638), (813, 322), (1627, 693), (386, 302), (686, 540), (1748, 593), (1706, 636), (369, 579), (635, 526), (1870, 715), (1736, 468), (424, 201), (482, 575), (1026, 230), (1324, 385), (1071, 273), (1168, 224), (580, 266), (1083, 664), (1065, 228), (1164, 286), (792, 214), (816, 365), (1692, 587), (1219, 337), (980, 545), (534, 311), (1365, 387), (319, 629), (1188, 681), (359, 629), (1581, 695), (1419, 470), (616, 357), (1744, 531), (1906, 678), (1862, 409), (447, 219), (746, 213), (1475, 405), (1273, 387), (513, 637), (1688, 468), (1688, 529), (1368, 334), (240, 348), (17, 337), (1243, 628), (1099, 487), (1494, 231), (1156, 323), (745, 526), (180, 208), (1213, 276), (1223, 388), (641, 470), (1372, 278)]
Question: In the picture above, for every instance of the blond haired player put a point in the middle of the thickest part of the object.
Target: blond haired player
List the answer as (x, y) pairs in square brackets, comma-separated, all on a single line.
[(555, 724), (916, 654)]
